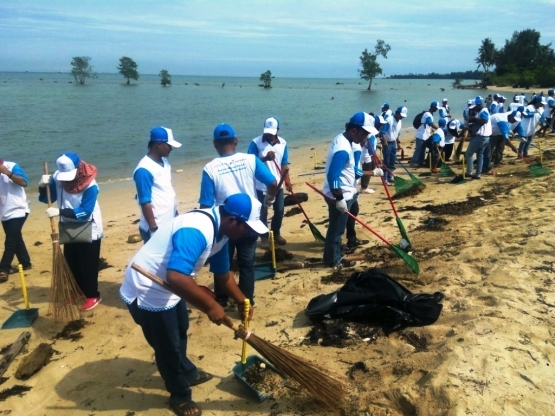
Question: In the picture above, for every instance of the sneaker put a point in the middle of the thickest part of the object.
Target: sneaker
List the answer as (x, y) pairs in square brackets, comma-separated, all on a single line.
[(491, 172), (90, 303), (356, 243), (279, 240), (345, 263), (475, 177), (435, 170), (14, 270), (388, 183), (367, 191)]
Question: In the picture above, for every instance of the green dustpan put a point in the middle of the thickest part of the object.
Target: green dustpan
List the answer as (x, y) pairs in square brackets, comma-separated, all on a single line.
[(23, 318)]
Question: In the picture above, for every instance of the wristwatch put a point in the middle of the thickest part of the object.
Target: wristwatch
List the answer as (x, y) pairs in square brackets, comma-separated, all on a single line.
[(153, 229)]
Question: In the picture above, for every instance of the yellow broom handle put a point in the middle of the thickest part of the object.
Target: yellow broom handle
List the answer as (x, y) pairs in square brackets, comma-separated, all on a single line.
[(273, 249), (463, 167), (246, 311), (23, 287)]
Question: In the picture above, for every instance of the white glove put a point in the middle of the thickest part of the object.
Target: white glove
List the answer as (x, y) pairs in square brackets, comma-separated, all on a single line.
[(404, 244), (269, 199), (341, 206), (44, 180), (378, 172), (52, 212)]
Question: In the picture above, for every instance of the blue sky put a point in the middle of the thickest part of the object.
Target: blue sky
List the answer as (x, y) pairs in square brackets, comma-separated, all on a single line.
[(301, 38)]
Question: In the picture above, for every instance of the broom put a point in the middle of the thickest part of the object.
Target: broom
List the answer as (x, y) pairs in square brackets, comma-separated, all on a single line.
[(64, 291), (321, 386)]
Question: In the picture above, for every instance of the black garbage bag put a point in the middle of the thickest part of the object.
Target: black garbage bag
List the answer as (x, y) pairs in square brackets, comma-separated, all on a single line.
[(289, 200), (376, 298)]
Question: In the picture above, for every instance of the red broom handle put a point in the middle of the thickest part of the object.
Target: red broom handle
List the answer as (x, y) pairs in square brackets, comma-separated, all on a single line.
[(352, 216), (385, 186)]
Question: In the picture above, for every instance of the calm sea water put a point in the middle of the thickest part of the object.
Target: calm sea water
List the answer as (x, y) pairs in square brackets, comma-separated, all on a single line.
[(107, 122)]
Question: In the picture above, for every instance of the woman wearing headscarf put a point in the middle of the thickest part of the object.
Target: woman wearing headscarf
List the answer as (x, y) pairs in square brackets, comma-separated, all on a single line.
[(74, 187), (14, 210)]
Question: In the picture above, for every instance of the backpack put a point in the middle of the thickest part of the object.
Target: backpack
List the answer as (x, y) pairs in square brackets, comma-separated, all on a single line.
[(417, 122)]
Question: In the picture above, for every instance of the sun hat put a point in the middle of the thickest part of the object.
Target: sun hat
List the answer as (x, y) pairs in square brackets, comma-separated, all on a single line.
[(402, 111), (163, 135), (271, 125), (364, 120), (67, 164), (224, 131), (247, 209)]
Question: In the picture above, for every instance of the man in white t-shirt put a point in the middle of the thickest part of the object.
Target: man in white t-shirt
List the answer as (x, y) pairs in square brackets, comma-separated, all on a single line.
[(230, 173), (390, 133), (444, 111), (176, 253), (530, 119), (340, 183), (273, 151), (480, 133), (423, 132), (153, 181)]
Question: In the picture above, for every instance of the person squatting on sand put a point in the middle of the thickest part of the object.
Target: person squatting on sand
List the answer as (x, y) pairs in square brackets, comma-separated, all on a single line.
[(230, 173), (273, 151), (340, 183), (74, 186), (501, 126), (14, 211), (176, 253), (153, 181)]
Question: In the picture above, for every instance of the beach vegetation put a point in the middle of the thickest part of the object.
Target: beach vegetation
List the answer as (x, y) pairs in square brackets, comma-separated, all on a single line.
[(369, 62), (81, 69), (165, 77), (266, 78), (128, 68), (471, 74)]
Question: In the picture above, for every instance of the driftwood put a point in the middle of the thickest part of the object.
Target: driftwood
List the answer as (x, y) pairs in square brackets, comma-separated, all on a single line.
[(34, 361), (12, 352)]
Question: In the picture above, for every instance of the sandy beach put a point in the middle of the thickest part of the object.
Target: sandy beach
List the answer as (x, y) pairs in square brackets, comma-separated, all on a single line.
[(491, 352)]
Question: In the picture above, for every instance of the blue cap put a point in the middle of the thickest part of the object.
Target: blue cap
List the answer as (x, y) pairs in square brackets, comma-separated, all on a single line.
[(163, 135), (385, 105), (224, 131), (364, 120), (442, 122), (247, 209), (478, 100), (433, 104), (67, 164), (550, 91)]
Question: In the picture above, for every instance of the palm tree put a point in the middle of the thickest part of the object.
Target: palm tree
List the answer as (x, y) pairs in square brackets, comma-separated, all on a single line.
[(486, 55)]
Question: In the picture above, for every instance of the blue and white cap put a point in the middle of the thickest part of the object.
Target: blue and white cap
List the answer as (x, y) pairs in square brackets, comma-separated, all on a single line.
[(385, 106), (247, 209), (517, 115), (364, 120), (271, 125), (402, 111), (434, 104), (67, 164), (224, 131), (163, 135), (477, 101)]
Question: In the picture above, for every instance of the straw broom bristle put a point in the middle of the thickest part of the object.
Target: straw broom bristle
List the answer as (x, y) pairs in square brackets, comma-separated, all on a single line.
[(320, 385), (64, 291)]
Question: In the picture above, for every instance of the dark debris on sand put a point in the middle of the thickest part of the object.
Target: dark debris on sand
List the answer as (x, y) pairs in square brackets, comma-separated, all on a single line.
[(17, 390), (340, 333), (281, 255), (293, 211), (72, 331)]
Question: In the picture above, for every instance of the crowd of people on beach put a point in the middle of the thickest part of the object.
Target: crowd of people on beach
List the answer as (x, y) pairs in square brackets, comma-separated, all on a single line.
[(237, 189)]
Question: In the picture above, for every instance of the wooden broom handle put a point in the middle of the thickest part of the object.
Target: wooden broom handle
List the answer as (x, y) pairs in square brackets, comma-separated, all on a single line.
[(49, 199), (164, 284)]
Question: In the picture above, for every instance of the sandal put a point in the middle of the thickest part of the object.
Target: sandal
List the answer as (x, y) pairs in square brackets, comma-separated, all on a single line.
[(202, 377), (3, 277), (181, 409)]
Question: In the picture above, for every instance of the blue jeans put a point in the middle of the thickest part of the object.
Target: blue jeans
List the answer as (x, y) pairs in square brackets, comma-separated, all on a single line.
[(419, 153), (477, 145), (389, 156), (166, 333), (246, 250), (486, 166), (278, 207), (336, 228), (525, 145)]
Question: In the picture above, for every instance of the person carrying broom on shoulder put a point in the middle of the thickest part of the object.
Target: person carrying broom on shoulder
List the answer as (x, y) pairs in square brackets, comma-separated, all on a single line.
[(176, 253)]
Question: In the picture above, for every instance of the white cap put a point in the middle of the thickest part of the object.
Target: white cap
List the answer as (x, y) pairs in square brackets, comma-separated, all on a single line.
[(271, 125)]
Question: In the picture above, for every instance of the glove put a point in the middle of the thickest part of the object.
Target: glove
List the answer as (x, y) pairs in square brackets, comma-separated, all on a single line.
[(378, 172), (52, 212), (44, 180), (404, 244), (341, 206), (269, 199)]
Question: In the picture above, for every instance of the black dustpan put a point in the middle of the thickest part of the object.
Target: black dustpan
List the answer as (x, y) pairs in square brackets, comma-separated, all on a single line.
[(22, 318)]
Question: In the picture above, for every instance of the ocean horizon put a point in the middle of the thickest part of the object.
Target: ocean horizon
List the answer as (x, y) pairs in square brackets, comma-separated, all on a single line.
[(108, 122)]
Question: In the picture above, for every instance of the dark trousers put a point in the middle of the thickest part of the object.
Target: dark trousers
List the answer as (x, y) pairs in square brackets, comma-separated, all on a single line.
[(448, 151), (166, 333), (351, 233), (14, 244), (246, 250), (497, 144), (336, 228), (365, 180), (279, 209), (389, 157), (83, 260)]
